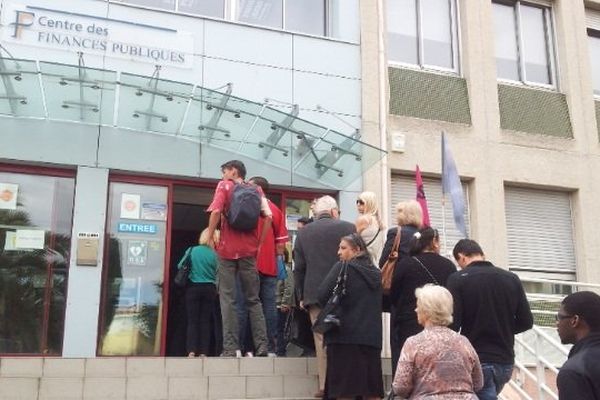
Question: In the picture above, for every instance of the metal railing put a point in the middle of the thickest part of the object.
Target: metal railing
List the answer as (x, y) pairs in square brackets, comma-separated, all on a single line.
[(539, 354)]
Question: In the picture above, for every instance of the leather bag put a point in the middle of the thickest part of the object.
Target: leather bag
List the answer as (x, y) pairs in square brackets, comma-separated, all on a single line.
[(387, 271)]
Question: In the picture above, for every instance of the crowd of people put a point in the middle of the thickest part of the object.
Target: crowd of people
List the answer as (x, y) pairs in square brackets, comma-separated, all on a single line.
[(451, 329)]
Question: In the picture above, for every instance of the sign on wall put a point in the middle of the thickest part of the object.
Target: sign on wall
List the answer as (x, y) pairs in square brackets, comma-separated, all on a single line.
[(96, 34)]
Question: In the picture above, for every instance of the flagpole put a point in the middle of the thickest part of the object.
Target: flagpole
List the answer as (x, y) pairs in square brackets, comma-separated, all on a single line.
[(444, 224)]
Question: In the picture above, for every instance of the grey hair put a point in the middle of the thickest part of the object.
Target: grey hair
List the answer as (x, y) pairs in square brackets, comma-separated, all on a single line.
[(325, 204), (436, 303)]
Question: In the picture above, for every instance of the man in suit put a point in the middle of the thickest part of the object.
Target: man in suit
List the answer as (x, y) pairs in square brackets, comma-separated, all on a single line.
[(315, 252)]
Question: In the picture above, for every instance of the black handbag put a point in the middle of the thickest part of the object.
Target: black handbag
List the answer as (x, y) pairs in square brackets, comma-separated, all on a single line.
[(183, 273), (330, 317)]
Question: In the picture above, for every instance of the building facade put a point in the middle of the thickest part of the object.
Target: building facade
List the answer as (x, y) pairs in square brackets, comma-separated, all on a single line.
[(115, 117), (515, 86)]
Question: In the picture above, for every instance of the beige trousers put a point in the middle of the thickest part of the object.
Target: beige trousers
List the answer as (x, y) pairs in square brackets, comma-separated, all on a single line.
[(314, 311)]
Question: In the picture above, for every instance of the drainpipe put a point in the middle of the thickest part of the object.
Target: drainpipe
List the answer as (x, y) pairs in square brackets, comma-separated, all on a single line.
[(383, 97)]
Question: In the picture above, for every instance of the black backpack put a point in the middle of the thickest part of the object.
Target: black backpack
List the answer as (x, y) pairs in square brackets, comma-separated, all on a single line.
[(244, 207)]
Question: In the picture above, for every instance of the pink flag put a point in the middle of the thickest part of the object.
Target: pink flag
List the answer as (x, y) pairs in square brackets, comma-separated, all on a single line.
[(421, 197)]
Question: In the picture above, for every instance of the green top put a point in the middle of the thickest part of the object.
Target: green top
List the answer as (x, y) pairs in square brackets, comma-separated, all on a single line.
[(204, 264)]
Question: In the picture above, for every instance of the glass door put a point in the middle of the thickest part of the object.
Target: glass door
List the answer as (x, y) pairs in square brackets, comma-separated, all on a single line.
[(132, 301), (35, 240)]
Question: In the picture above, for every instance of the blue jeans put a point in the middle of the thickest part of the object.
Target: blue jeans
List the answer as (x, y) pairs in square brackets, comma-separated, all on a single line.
[(495, 376), (267, 295)]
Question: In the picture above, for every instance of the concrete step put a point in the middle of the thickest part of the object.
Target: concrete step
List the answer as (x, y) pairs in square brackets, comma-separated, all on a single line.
[(156, 378)]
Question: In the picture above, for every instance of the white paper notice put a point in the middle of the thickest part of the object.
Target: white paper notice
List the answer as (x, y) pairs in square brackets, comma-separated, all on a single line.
[(8, 196), (11, 241), (29, 239), (130, 206)]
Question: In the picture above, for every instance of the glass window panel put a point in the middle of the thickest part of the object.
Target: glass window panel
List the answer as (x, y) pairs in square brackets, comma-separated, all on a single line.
[(79, 94), (261, 12), (306, 16), (133, 285), (20, 91), (148, 104), (35, 239), (594, 43), (210, 8), (437, 33), (166, 4), (505, 35), (402, 31), (535, 46)]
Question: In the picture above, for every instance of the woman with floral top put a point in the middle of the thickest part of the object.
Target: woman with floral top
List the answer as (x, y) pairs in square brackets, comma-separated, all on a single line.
[(438, 362)]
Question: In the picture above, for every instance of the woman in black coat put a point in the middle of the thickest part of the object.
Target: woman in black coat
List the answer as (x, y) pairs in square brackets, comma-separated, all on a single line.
[(409, 217), (423, 265), (354, 347)]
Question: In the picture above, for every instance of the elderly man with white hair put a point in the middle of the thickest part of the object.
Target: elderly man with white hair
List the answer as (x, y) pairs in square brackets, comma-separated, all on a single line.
[(315, 252)]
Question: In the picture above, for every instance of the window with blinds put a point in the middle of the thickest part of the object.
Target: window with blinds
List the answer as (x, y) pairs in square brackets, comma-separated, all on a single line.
[(442, 219), (540, 233)]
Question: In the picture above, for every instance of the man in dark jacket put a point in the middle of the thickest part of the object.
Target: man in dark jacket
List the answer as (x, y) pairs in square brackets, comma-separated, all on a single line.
[(578, 323), (490, 307), (315, 252)]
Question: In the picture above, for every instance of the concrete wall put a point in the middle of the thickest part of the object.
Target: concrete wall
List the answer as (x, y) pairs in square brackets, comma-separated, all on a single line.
[(487, 156)]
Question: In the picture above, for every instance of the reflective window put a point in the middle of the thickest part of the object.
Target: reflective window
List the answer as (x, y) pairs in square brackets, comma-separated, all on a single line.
[(437, 33), (210, 8), (35, 240), (261, 12), (402, 37), (165, 4), (422, 33), (134, 270), (523, 40), (507, 49), (594, 43), (307, 16)]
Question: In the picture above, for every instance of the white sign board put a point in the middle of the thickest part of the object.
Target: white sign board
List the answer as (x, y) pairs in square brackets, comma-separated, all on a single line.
[(29, 239), (61, 28)]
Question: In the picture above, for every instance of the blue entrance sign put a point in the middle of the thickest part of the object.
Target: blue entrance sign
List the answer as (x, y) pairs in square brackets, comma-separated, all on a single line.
[(137, 228)]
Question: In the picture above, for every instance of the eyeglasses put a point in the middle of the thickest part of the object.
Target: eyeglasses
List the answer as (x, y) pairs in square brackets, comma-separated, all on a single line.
[(360, 202), (559, 316)]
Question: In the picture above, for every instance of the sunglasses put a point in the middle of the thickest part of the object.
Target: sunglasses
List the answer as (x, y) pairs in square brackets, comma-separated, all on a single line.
[(559, 317), (360, 202)]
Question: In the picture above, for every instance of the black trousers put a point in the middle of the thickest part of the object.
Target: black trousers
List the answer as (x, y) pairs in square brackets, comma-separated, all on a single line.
[(199, 301)]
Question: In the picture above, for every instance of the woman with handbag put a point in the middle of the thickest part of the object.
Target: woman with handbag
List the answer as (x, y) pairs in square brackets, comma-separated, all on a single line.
[(369, 225), (423, 265), (353, 327), (438, 362), (409, 217), (200, 294)]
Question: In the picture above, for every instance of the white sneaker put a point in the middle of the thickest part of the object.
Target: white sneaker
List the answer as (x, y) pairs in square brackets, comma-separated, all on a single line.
[(271, 355), (249, 354), (238, 353)]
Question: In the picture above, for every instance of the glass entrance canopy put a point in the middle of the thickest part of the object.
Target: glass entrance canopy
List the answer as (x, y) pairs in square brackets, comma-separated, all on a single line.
[(213, 119)]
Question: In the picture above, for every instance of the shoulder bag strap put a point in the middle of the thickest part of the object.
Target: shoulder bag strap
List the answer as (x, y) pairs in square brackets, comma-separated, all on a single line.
[(340, 284), (427, 270), (374, 237), (397, 240)]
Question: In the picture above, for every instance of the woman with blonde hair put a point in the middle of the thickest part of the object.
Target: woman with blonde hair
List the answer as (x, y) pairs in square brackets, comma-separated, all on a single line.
[(438, 362), (409, 217), (200, 294), (368, 224)]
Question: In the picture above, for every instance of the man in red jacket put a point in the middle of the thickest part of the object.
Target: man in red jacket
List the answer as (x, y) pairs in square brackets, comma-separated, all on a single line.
[(266, 263), (237, 252)]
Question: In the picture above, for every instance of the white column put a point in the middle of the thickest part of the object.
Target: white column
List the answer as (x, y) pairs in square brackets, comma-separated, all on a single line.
[(84, 288)]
